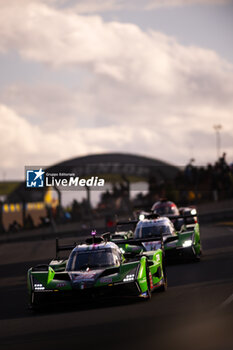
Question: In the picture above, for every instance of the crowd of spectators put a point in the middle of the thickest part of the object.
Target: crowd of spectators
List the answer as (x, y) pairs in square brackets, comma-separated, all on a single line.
[(192, 185), (213, 182)]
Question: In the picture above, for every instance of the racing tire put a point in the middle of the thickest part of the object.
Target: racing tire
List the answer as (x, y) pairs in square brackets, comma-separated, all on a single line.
[(148, 297), (197, 257), (163, 288), (34, 304)]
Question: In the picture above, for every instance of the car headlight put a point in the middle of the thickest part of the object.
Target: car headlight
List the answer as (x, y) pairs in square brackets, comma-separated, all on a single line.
[(39, 286), (141, 217), (193, 212), (187, 243), (129, 277)]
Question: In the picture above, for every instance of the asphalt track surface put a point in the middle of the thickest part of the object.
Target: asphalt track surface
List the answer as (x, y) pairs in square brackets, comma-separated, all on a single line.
[(196, 312)]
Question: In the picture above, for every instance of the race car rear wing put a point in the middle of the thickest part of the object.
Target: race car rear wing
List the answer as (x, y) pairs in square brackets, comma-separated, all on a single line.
[(134, 241), (185, 218), (180, 220)]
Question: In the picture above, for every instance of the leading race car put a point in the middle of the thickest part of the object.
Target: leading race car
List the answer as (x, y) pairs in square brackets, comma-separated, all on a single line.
[(94, 269)]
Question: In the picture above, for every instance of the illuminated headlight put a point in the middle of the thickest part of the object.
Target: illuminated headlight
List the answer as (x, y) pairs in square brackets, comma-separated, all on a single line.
[(129, 278), (193, 212), (39, 286), (187, 243), (141, 217)]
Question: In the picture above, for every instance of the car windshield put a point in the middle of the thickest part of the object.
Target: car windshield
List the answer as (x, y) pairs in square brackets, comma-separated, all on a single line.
[(165, 210), (152, 231), (91, 259)]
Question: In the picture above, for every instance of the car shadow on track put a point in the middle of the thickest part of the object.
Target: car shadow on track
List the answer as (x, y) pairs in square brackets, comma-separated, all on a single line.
[(16, 304), (85, 306)]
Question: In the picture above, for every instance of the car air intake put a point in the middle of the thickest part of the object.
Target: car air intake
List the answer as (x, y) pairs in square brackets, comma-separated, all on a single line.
[(110, 271), (62, 276), (43, 267)]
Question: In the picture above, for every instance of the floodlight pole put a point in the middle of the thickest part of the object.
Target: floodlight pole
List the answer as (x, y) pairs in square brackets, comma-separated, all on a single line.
[(217, 128)]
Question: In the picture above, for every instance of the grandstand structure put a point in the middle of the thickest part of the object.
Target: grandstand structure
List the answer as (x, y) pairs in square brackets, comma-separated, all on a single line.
[(112, 167)]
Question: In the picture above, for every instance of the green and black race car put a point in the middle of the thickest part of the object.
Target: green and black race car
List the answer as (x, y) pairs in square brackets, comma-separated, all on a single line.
[(97, 268), (184, 244)]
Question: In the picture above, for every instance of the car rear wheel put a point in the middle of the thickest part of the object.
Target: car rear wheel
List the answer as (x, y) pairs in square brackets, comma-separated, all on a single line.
[(148, 279), (34, 303), (197, 256), (163, 288)]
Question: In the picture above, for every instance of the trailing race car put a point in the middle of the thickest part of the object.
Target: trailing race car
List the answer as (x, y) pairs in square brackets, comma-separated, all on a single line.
[(94, 269), (166, 208), (183, 244)]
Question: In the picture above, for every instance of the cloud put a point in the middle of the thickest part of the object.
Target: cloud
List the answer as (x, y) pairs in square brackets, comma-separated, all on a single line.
[(145, 93), (97, 6), (154, 4), (168, 138), (23, 143), (100, 6), (149, 61)]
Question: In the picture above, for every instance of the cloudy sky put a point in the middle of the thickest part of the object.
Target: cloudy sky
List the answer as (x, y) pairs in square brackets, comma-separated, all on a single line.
[(149, 77)]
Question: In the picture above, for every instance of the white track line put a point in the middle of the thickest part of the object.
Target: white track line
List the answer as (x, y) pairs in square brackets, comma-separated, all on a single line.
[(226, 302)]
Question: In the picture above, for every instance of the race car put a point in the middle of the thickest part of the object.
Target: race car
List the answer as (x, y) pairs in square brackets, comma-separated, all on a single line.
[(164, 207), (169, 209), (183, 244), (97, 268)]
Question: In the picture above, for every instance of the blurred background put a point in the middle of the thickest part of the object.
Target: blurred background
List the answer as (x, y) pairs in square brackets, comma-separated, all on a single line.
[(144, 83), (139, 93)]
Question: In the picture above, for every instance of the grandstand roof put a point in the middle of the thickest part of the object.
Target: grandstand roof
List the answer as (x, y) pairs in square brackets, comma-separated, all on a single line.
[(111, 166)]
